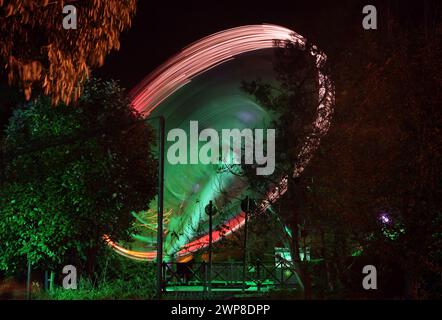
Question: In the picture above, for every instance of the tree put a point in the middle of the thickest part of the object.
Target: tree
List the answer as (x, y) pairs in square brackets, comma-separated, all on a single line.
[(39, 52), (394, 104), (379, 157), (88, 168), (294, 101), (373, 182)]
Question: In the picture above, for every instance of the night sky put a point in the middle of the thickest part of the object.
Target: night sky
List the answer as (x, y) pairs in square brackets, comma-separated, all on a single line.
[(160, 30)]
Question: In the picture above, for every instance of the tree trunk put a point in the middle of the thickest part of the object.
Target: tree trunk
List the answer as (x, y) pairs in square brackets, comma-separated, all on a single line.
[(328, 280)]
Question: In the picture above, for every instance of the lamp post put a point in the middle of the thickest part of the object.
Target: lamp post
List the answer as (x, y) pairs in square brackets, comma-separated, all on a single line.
[(28, 281), (245, 206), (209, 212), (160, 209)]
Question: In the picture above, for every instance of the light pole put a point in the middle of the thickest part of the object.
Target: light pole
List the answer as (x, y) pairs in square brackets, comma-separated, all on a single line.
[(160, 209), (245, 207), (28, 281), (209, 212)]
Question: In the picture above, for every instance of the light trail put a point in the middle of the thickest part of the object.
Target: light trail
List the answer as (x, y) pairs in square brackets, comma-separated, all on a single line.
[(204, 55)]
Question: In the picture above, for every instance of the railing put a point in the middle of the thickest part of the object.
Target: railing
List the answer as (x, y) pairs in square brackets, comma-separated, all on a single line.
[(230, 276)]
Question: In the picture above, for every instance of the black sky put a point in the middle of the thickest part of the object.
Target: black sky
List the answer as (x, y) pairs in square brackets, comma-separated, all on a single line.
[(162, 28)]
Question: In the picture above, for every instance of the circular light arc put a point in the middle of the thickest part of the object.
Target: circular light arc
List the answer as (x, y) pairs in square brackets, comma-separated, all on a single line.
[(204, 55)]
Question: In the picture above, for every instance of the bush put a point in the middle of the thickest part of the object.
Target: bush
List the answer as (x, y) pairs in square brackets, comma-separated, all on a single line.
[(118, 278), (67, 185)]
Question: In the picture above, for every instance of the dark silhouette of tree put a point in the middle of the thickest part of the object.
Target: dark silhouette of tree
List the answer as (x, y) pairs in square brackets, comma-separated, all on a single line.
[(389, 131), (381, 155), (294, 101)]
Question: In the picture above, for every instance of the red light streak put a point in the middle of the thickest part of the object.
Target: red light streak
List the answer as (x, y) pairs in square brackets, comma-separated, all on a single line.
[(202, 56)]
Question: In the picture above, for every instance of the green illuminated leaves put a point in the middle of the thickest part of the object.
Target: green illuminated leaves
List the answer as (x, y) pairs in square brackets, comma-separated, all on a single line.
[(58, 201)]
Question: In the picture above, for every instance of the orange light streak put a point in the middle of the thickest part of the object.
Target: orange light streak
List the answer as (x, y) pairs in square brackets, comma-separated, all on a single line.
[(204, 55)]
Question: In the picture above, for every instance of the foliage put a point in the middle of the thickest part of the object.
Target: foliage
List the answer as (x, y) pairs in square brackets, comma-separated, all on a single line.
[(294, 103), (88, 170), (117, 278), (37, 51), (381, 155), (391, 117)]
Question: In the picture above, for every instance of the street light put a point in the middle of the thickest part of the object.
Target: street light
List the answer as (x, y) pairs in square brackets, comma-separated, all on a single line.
[(247, 205), (160, 208), (210, 212)]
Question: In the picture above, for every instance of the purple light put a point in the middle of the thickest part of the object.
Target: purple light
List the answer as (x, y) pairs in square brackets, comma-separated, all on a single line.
[(384, 218)]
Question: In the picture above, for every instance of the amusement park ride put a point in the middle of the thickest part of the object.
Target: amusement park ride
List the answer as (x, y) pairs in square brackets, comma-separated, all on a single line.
[(180, 91)]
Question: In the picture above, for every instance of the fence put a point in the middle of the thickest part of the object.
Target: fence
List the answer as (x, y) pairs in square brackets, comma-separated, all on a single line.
[(229, 276)]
